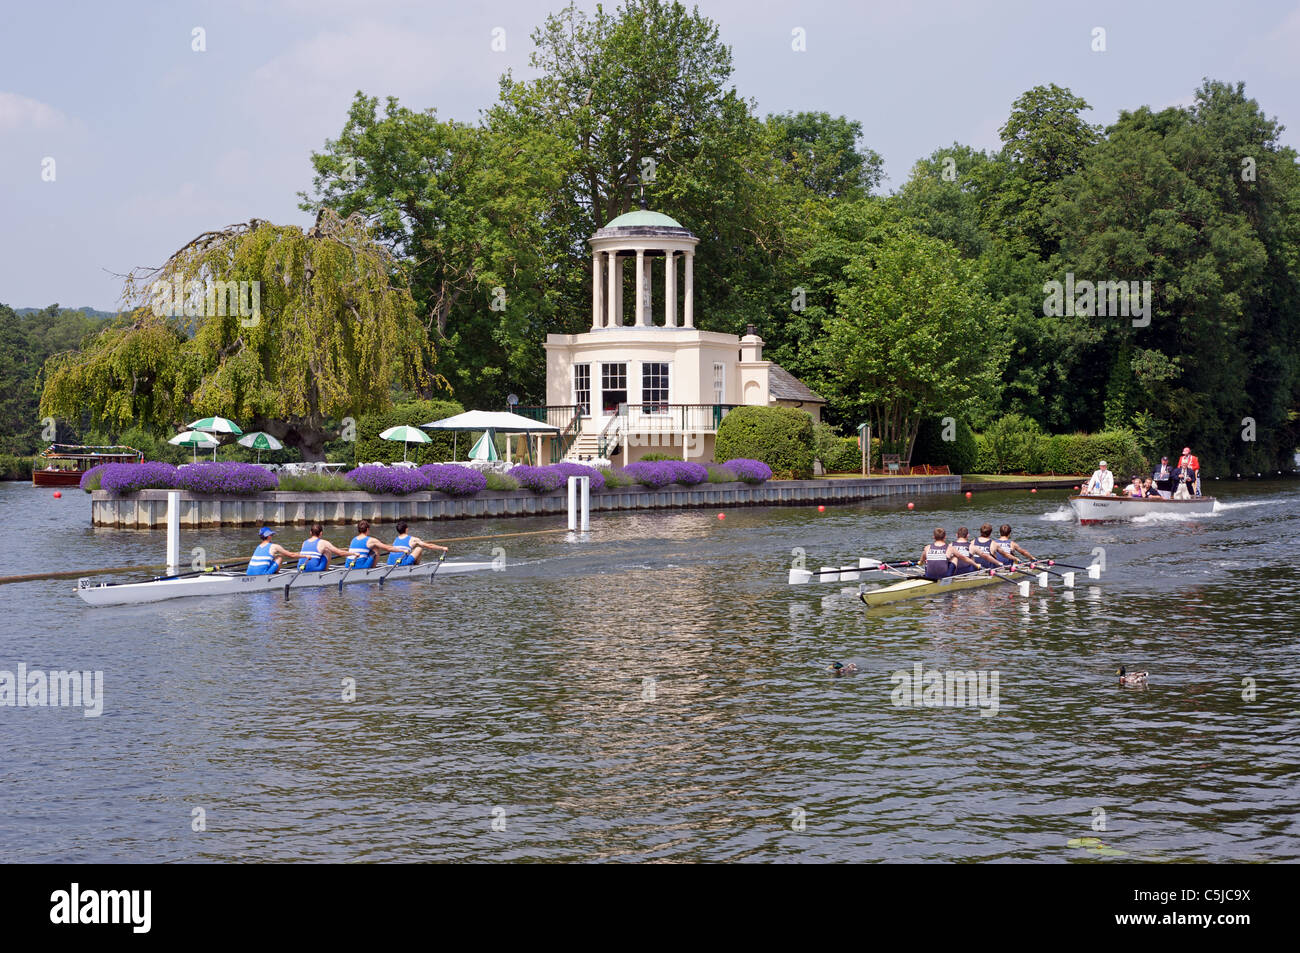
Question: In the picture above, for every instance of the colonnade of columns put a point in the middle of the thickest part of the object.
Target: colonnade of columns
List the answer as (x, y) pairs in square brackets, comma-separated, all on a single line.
[(607, 289)]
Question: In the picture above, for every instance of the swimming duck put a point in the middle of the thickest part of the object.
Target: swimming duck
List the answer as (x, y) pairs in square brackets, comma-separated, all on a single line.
[(839, 668), (1131, 678)]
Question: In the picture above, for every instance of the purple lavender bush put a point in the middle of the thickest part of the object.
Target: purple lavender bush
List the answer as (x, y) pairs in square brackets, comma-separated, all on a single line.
[(578, 470), (123, 478), (538, 479), (652, 473), (397, 481), (242, 479), (90, 479), (453, 480), (749, 471), (687, 473)]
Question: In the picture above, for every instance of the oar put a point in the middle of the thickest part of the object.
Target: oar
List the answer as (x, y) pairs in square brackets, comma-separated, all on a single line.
[(394, 566), (200, 572), (1093, 571), (290, 583), (441, 557)]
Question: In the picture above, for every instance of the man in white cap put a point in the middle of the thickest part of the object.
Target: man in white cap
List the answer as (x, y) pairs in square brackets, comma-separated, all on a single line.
[(1102, 481)]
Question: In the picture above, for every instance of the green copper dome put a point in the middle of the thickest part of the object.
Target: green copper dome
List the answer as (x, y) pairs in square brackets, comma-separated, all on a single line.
[(643, 218)]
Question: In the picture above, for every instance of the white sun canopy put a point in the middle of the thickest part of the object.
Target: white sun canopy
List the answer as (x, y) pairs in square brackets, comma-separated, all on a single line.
[(497, 420)]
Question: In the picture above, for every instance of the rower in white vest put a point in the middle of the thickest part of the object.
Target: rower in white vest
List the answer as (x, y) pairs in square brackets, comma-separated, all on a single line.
[(1102, 481)]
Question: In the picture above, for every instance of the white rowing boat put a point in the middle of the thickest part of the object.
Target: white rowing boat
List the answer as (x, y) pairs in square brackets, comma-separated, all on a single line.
[(225, 583), (1102, 509)]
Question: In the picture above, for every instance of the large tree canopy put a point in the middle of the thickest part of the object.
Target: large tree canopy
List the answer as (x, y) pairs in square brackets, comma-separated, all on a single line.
[(312, 325)]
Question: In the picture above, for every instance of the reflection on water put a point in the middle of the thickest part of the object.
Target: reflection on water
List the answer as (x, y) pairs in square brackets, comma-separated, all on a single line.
[(657, 691)]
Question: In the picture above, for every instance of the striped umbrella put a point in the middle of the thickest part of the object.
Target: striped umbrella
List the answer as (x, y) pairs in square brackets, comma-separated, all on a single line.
[(407, 435), (195, 439), (216, 425), (485, 448), (259, 440)]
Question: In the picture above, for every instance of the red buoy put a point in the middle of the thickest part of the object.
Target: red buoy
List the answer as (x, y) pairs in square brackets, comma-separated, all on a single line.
[(968, 494), (1033, 490), (911, 506), (821, 509), (722, 516), (58, 495)]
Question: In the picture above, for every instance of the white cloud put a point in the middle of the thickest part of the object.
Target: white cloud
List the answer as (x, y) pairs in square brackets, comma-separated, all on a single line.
[(20, 112)]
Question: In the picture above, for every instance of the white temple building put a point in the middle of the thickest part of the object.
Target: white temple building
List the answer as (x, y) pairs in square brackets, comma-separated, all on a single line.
[(645, 379)]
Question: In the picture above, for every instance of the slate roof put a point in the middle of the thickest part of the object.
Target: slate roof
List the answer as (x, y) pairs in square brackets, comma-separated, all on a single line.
[(783, 385)]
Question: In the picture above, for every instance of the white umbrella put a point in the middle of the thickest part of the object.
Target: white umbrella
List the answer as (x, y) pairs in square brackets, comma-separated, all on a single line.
[(216, 425), (485, 448), (195, 439), (491, 420), (259, 440), (407, 435)]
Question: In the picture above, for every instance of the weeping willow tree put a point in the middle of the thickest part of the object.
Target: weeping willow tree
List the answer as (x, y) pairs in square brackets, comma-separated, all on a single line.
[(280, 329)]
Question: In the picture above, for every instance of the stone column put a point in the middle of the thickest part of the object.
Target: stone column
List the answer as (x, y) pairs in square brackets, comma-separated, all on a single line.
[(689, 304), (638, 309), (611, 314), (647, 306), (670, 289), (597, 318)]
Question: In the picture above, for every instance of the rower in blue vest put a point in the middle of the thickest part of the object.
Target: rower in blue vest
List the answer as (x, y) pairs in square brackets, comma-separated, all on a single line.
[(411, 548), (317, 551), (1006, 549), (982, 548), (963, 545), (362, 549), (268, 555), (940, 559)]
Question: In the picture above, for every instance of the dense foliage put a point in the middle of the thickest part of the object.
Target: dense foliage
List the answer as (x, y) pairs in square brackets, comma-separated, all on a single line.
[(958, 454), (370, 448), (781, 437)]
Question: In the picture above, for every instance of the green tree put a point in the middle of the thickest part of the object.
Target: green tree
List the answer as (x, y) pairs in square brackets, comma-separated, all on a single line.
[(334, 331), (913, 334)]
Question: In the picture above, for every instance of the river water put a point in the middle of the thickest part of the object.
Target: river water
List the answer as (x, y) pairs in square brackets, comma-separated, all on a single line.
[(658, 691)]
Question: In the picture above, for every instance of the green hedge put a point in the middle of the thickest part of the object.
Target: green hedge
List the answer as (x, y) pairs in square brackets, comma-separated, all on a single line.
[(370, 448), (959, 454), (782, 437), (1067, 454), (16, 468)]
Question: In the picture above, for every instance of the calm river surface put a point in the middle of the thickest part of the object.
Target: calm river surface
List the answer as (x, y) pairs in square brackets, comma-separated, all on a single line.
[(507, 715)]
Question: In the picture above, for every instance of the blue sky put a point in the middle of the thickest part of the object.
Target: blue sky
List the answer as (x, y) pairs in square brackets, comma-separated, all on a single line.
[(154, 143)]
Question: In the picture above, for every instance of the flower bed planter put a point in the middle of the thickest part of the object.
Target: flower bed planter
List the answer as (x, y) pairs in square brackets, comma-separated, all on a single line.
[(147, 509)]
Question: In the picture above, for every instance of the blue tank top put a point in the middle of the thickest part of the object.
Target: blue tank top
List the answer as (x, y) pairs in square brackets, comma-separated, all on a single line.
[(980, 550), (1002, 557), (360, 555), (317, 562), (401, 559), (262, 563), (964, 546), (936, 561)]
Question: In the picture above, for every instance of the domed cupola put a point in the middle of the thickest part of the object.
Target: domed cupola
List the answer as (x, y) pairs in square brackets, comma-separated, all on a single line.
[(641, 237)]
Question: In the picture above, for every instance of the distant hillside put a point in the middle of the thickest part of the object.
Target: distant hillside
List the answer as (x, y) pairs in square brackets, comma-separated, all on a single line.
[(87, 310)]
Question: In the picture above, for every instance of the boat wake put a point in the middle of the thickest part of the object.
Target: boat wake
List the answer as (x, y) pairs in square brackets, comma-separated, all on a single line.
[(1174, 517), (1062, 515), (1244, 504)]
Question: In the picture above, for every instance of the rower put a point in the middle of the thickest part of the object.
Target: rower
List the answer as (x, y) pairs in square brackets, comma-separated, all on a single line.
[(1009, 546), (411, 549), (962, 544), (1101, 483), (940, 559), (317, 551), (981, 548), (361, 551), (268, 555)]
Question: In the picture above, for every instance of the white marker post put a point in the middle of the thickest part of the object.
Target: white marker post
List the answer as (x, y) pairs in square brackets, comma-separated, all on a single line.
[(173, 532), (574, 483)]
